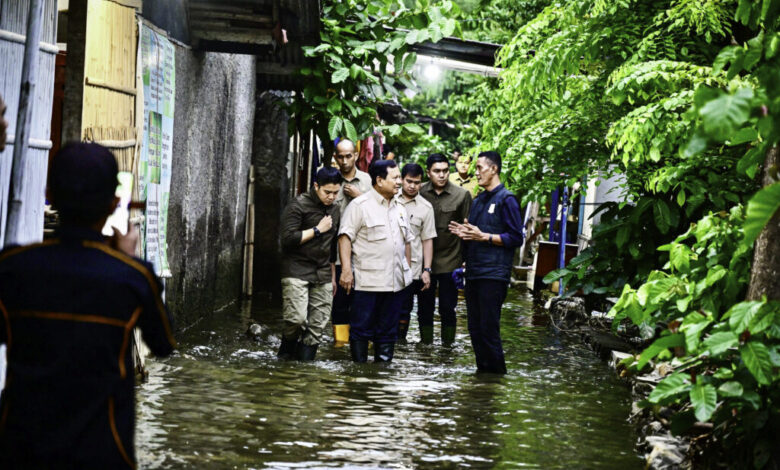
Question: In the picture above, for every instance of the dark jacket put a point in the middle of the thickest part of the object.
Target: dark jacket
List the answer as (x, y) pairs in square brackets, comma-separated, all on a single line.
[(68, 307), (311, 261), (451, 205), (489, 213)]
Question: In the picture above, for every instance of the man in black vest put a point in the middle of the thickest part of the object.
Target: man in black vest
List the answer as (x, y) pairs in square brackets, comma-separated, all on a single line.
[(492, 232)]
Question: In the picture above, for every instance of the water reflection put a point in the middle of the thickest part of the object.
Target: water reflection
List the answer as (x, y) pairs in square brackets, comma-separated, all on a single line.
[(225, 401)]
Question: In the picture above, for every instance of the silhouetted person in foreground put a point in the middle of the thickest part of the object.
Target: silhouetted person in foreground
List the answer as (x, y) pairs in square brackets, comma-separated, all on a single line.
[(69, 306)]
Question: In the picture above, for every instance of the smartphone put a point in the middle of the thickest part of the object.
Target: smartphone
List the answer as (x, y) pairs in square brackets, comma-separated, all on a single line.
[(120, 219)]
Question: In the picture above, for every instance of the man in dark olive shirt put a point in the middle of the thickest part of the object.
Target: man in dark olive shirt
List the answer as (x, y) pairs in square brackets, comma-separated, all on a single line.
[(68, 307), (309, 226), (492, 232), (450, 204)]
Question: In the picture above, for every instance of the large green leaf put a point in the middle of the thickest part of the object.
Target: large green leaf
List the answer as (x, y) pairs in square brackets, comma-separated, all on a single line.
[(760, 209), (334, 127), (741, 314), (662, 216), (670, 386), (731, 389), (704, 399), (758, 361), (724, 115), (349, 128), (659, 345), (719, 343), (339, 75)]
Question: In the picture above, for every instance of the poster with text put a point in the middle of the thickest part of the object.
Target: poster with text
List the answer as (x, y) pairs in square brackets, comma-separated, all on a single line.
[(154, 169)]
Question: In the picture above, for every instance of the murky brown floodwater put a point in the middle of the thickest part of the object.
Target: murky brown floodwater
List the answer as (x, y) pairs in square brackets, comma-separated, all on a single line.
[(224, 401)]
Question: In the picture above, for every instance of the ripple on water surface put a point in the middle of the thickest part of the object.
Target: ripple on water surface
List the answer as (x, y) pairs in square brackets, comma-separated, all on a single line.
[(225, 401)]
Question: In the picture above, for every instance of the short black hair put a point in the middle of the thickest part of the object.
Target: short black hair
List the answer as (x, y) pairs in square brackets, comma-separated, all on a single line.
[(82, 182), (457, 151), (378, 169), (494, 158), (411, 169), (328, 175), (435, 158)]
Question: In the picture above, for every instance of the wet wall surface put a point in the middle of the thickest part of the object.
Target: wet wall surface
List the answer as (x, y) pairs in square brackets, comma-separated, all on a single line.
[(225, 401), (212, 151)]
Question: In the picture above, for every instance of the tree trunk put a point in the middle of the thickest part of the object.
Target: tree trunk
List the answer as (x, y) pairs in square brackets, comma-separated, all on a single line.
[(765, 274)]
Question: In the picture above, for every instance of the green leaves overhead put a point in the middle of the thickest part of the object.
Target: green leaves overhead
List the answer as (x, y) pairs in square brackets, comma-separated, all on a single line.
[(346, 77)]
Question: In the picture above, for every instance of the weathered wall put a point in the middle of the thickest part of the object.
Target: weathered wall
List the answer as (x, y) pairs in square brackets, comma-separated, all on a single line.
[(212, 148), (271, 157)]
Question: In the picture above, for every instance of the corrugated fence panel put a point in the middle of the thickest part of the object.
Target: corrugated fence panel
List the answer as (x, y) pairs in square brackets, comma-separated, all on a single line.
[(13, 23), (109, 95)]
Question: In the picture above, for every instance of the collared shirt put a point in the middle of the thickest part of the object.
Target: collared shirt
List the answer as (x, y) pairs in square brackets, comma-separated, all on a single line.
[(67, 309), (379, 231), (452, 204), (309, 261), (422, 225), (363, 182), (469, 183)]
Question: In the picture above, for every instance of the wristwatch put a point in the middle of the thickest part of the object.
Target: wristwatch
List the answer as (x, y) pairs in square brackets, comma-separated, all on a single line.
[(317, 232), (427, 270)]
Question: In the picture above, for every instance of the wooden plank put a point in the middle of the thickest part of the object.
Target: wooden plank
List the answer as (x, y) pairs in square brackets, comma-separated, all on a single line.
[(22, 39), (241, 36), (109, 86), (197, 15)]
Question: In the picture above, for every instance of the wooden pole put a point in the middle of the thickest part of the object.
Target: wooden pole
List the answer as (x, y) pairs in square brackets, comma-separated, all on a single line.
[(14, 229)]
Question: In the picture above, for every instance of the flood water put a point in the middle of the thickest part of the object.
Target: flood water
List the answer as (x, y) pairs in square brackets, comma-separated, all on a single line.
[(224, 401)]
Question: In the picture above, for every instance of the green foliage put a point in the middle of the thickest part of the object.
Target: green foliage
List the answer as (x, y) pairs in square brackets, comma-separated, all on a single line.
[(725, 352), (362, 61)]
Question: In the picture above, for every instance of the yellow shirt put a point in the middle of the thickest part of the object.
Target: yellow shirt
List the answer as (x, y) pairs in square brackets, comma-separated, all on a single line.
[(469, 184)]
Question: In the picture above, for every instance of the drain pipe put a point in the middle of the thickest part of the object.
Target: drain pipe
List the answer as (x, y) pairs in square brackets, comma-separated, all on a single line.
[(562, 251), (23, 118)]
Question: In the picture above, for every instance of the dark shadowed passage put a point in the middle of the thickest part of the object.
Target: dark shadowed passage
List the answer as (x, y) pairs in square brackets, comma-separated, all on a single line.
[(225, 401)]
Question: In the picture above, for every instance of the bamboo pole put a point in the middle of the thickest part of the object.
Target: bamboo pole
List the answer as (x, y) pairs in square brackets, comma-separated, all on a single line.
[(24, 117)]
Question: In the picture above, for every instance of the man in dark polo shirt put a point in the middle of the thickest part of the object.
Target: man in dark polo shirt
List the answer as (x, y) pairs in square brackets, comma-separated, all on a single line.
[(450, 204), (309, 227), (493, 231), (68, 307)]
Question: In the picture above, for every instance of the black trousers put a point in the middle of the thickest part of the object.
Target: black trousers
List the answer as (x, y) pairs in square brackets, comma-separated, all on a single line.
[(448, 300), (484, 298), (342, 302)]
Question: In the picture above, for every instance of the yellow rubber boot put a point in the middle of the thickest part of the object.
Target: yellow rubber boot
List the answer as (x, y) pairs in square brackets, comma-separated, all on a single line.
[(340, 335)]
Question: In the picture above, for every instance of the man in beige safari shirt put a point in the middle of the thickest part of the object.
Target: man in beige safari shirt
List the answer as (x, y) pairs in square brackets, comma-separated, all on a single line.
[(374, 241), (356, 183), (423, 227)]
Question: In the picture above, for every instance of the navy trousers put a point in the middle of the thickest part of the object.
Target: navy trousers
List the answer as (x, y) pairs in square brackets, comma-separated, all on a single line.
[(484, 298), (342, 302), (408, 300), (448, 299), (374, 316)]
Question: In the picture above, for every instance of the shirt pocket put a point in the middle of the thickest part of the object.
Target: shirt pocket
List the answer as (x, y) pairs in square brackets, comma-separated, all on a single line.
[(416, 225), (376, 229), (372, 274), (447, 214)]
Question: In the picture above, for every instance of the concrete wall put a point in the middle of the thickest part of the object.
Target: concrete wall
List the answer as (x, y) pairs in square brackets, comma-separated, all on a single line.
[(272, 160), (212, 148)]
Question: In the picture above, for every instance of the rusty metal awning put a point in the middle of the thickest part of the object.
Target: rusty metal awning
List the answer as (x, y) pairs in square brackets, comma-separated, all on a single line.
[(473, 52)]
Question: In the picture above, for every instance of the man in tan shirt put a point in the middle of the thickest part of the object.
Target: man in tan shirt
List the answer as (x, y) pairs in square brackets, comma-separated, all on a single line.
[(374, 240), (355, 183), (421, 223)]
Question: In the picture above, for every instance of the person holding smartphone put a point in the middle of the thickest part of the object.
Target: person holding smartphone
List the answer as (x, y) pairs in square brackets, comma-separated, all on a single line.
[(68, 307)]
